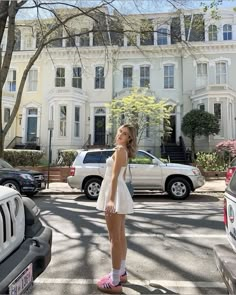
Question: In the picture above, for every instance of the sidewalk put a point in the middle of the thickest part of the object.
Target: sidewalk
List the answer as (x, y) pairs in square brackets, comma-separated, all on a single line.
[(211, 185)]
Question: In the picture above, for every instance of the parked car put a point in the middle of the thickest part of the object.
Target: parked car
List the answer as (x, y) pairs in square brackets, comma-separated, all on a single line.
[(27, 182), (225, 254), (230, 171), (24, 242), (148, 173)]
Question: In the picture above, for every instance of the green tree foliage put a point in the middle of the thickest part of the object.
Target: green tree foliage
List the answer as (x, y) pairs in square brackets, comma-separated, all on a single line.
[(140, 109), (198, 123)]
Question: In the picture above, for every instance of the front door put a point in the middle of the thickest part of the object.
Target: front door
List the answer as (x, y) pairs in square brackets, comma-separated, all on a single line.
[(99, 130), (32, 125)]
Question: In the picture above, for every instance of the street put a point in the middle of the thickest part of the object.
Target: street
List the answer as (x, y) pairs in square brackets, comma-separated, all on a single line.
[(170, 245)]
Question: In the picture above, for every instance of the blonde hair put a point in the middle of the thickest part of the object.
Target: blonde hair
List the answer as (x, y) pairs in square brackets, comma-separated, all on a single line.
[(132, 144)]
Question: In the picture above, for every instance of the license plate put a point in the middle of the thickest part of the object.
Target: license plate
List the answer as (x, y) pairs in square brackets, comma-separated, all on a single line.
[(43, 185), (22, 282)]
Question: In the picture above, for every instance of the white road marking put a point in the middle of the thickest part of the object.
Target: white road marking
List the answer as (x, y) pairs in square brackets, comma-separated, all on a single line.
[(152, 283)]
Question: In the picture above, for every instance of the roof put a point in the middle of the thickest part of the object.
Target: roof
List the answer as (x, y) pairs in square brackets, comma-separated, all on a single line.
[(6, 192)]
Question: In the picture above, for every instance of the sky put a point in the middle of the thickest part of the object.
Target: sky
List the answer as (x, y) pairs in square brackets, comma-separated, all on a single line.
[(135, 6)]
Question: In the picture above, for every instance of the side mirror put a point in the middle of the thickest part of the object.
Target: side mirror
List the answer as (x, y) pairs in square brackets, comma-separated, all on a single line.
[(155, 161)]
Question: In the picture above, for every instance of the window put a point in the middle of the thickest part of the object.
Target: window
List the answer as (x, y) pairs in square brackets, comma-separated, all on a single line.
[(162, 36), (84, 37), (62, 120), (175, 29), (92, 157), (221, 73), (227, 32), (11, 81), (202, 77), (7, 113), (194, 27), (127, 77), (99, 78), (32, 80), (212, 33), (142, 158), (17, 45), (147, 32), (218, 114), (201, 107), (71, 41), (169, 76), (144, 76), (77, 122), (77, 77), (60, 77)]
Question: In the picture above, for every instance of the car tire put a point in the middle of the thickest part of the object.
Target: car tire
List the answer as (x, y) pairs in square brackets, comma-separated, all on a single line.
[(12, 184), (92, 188), (178, 188)]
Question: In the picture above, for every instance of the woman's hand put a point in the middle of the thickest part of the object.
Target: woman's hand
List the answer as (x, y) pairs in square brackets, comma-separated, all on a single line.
[(110, 208)]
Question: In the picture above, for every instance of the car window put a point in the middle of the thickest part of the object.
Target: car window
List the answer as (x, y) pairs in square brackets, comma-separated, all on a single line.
[(232, 184), (4, 164), (233, 163), (141, 158), (105, 155), (92, 157)]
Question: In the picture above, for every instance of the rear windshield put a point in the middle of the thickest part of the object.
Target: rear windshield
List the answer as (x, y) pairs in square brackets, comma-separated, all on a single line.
[(233, 163), (4, 164), (97, 157)]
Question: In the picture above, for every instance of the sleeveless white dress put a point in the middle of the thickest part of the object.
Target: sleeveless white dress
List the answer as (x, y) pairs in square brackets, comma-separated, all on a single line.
[(123, 200)]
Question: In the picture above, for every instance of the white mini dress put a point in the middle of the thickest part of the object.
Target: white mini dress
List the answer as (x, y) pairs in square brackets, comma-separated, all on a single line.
[(123, 200)]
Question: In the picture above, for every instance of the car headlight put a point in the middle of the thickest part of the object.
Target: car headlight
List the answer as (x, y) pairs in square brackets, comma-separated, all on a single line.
[(27, 176), (196, 171)]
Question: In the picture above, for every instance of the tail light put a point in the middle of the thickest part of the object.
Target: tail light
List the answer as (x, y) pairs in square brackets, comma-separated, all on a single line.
[(72, 171), (229, 174), (225, 213)]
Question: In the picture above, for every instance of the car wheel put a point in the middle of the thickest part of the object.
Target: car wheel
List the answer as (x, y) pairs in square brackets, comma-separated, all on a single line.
[(12, 184), (92, 188), (178, 188)]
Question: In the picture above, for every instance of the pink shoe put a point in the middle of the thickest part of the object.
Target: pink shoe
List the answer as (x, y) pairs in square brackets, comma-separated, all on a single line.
[(106, 286), (123, 278)]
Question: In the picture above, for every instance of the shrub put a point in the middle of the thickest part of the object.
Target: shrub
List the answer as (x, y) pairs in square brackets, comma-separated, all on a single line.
[(67, 157), (227, 147), (23, 157), (211, 161)]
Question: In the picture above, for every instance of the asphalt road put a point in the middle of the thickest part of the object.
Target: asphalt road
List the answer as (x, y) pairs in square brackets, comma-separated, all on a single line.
[(170, 245)]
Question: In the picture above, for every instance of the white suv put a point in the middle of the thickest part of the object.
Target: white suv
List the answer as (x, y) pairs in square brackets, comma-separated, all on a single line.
[(148, 173)]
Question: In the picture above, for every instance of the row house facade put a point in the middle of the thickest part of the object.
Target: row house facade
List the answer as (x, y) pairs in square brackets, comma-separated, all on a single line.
[(188, 59)]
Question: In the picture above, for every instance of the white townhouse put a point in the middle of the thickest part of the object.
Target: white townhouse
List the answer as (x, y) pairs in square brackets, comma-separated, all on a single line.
[(186, 58)]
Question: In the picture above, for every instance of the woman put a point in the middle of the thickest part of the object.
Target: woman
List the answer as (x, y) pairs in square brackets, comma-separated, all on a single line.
[(115, 200)]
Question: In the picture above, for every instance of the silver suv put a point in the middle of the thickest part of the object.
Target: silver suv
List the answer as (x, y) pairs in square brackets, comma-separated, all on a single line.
[(148, 173)]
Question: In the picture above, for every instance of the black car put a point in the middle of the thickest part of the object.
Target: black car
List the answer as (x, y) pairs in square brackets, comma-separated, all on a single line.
[(27, 182)]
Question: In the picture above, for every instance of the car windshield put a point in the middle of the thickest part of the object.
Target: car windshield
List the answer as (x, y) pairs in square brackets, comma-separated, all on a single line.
[(233, 163), (4, 164)]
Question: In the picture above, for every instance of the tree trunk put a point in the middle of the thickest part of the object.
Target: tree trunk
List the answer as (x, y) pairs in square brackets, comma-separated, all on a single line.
[(193, 148)]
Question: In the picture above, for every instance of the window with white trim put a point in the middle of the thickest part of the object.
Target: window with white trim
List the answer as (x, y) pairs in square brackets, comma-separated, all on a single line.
[(162, 36), (63, 116), (7, 113), (127, 77), (169, 76), (144, 76), (227, 32), (201, 106), (77, 77), (11, 80), (218, 114), (77, 122), (32, 80), (221, 72), (60, 77), (212, 33), (99, 78), (202, 75)]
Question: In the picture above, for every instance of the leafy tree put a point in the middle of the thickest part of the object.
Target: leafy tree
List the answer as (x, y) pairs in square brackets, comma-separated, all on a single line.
[(140, 109), (198, 123), (50, 33)]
